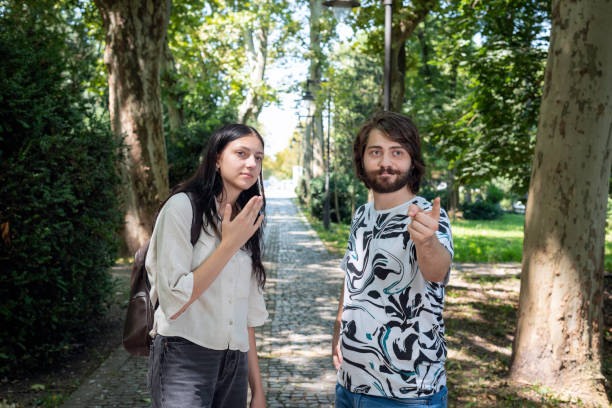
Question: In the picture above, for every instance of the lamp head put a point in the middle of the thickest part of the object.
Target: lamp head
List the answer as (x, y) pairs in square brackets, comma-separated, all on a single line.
[(341, 8)]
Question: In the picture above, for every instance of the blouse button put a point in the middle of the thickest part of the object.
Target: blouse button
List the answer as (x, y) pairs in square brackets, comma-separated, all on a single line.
[(231, 322)]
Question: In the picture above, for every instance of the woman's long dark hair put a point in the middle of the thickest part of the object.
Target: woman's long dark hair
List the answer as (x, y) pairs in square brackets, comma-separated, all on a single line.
[(206, 184)]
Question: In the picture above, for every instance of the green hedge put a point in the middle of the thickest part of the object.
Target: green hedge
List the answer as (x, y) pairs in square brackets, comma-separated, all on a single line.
[(346, 186), (481, 210), (58, 189)]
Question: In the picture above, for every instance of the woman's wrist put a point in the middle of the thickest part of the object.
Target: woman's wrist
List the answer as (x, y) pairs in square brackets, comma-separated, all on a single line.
[(227, 248)]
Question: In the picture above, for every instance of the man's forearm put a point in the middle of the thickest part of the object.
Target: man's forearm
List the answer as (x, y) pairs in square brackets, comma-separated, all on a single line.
[(336, 353), (434, 260)]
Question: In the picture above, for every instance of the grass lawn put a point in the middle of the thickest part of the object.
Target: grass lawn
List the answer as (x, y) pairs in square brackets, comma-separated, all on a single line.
[(489, 241), (475, 241)]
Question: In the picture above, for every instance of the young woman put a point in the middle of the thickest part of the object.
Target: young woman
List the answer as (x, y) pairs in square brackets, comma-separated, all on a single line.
[(210, 294)]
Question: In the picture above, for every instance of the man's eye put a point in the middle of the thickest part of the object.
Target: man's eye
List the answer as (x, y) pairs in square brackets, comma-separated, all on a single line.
[(398, 153), (375, 152)]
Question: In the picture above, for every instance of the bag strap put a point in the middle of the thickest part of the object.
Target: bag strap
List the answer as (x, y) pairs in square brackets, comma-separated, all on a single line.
[(196, 222)]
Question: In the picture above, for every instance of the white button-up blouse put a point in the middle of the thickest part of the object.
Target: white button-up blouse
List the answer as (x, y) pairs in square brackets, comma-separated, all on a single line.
[(219, 318)]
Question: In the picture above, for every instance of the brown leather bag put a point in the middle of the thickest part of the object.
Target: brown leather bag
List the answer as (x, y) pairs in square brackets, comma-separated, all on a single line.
[(139, 318)]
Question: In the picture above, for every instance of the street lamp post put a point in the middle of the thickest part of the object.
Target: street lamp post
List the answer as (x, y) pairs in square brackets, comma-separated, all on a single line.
[(348, 4), (388, 20)]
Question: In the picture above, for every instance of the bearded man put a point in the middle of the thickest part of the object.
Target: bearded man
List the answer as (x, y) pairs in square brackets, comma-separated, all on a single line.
[(388, 344)]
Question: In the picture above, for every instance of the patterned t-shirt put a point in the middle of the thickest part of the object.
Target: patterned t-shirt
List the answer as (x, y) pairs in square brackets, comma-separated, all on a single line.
[(392, 338)]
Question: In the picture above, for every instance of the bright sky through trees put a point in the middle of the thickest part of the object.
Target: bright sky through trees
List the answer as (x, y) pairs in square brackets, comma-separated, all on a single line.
[(278, 121)]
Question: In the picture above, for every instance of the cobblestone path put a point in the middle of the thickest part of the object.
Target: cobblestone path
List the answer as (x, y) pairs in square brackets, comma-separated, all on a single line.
[(302, 294), (294, 345)]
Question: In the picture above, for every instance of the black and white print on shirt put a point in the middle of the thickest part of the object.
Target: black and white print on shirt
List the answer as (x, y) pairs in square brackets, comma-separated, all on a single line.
[(392, 339)]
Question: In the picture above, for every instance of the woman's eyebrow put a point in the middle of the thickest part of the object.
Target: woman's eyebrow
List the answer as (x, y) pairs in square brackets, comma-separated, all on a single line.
[(247, 148)]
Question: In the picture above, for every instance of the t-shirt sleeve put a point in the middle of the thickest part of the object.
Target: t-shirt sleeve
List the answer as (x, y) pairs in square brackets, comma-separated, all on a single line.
[(170, 253), (345, 258), (445, 237), (350, 246), (257, 313), (444, 233)]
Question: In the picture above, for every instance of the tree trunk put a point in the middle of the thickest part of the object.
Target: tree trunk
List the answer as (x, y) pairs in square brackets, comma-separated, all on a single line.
[(398, 76), (558, 336), (314, 122), (314, 72), (308, 153), (425, 68), (173, 95), (135, 36), (336, 201), (257, 50), (453, 195), (409, 18)]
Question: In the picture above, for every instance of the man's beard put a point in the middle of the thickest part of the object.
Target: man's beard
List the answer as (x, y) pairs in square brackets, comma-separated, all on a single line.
[(384, 187)]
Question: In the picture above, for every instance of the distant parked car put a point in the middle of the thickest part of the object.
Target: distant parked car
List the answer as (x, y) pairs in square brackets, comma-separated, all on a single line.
[(518, 207)]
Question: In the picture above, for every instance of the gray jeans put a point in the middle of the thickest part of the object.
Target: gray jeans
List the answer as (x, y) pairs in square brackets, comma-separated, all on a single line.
[(183, 374)]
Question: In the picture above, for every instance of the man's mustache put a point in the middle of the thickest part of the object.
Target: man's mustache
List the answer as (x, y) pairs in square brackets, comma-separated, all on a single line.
[(387, 170)]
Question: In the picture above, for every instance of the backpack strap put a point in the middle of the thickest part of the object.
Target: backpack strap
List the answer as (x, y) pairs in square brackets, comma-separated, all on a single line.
[(196, 222)]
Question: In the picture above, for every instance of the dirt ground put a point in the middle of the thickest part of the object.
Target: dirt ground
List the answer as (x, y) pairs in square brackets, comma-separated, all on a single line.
[(480, 315)]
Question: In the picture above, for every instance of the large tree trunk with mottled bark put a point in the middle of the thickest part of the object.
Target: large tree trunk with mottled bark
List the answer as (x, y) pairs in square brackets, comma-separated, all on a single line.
[(558, 336), (135, 36)]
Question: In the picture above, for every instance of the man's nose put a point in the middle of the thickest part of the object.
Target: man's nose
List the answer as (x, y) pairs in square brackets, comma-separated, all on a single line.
[(385, 159)]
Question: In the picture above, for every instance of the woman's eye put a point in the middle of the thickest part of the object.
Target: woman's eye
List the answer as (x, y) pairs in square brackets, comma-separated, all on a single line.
[(258, 158), (375, 152), (240, 153)]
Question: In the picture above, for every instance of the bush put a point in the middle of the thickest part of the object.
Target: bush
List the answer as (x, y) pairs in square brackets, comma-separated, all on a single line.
[(494, 194), (300, 191), (481, 210), (351, 193), (184, 146), (59, 213)]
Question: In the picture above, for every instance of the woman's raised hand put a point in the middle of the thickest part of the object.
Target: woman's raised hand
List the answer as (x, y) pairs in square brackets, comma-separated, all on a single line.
[(235, 233)]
